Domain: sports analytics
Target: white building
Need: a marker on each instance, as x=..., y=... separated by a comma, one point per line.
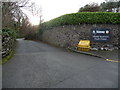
x=116, y=9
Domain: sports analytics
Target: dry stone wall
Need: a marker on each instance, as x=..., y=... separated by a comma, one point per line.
x=8, y=44
x=69, y=35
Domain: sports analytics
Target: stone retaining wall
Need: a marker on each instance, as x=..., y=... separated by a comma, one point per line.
x=8, y=44
x=70, y=35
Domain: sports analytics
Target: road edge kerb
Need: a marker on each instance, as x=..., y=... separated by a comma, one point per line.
x=86, y=53
x=91, y=54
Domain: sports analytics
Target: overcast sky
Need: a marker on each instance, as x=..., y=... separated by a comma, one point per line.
x=55, y=8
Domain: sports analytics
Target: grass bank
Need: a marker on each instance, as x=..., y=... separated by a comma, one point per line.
x=4, y=60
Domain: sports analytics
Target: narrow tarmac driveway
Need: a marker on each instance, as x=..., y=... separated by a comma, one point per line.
x=38, y=65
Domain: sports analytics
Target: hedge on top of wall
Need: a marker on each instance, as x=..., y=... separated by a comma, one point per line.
x=83, y=17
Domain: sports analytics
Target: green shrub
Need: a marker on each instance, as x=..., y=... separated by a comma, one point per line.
x=83, y=17
x=8, y=32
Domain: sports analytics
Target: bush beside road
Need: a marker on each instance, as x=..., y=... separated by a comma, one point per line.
x=8, y=44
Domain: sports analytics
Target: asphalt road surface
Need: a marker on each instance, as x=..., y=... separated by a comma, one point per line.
x=38, y=65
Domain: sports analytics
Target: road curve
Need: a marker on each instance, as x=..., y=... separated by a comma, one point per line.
x=38, y=65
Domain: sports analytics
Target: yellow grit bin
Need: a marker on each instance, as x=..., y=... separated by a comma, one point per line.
x=84, y=45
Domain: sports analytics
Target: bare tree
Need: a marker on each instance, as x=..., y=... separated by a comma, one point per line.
x=11, y=13
x=36, y=11
x=92, y=7
x=13, y=16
